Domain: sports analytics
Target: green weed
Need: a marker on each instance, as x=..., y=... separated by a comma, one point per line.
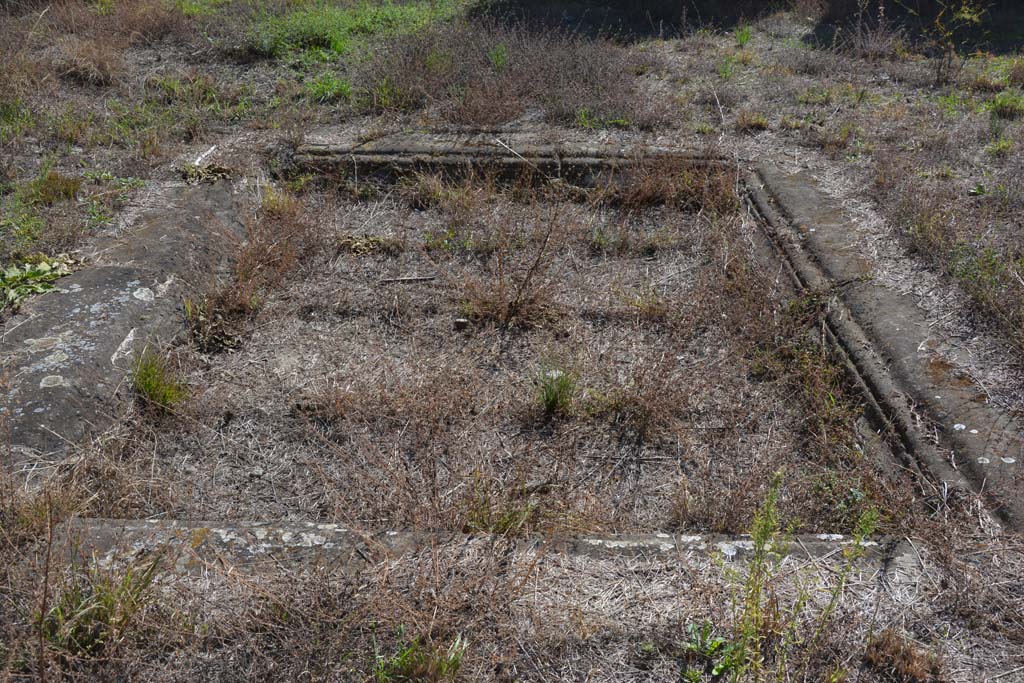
x=327, y=87
x=15, y=119
x=556, y=390
x=1001, y=148
x=587, y=119
x=199, y=8
x=417, y=662
x=816, y=95
x=751, y=121
x=338, y=29
x=155, y=383
x=96, y=611
x=33, y=277
x=20, y=219
x=717, y=656
x=954, y=103
x=498, y=56
x=1007, y=105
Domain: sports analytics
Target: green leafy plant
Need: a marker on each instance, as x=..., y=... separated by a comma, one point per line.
x=1007, y=105
x=716, y=655
x=154, y=382
x=32, y=277
x=417, y=662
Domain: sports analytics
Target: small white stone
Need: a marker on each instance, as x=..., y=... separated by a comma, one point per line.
x=959, y=427
x=144, y=294
x=51, y=381
x=983, y=461
x=974, y=431
x=1009, y=461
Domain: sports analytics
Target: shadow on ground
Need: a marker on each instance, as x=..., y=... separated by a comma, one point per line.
x=1000, y=30
x=625, y=19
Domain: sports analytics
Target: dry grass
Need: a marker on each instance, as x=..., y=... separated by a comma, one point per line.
x=279, y=237
x=943, y=228
x=136, y=22
x=90, y=61
x=690, y=379
x=897, y=659
x=621, y=291
x=487, y=74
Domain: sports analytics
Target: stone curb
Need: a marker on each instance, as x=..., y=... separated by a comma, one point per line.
x=252, y=545
x=878, y=333
x=506, y=155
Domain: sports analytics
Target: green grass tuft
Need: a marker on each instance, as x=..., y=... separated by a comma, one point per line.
x=417, y=661
x=95, y=611
x=1007, y=105
x=556, y=390
x=154, y=382
x=327, y=87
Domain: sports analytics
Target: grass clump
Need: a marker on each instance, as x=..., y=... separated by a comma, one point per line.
x=417, y=662
x=92, y=613
x=328, y=87
x=1007, y=105
x=1001, y=148
x=336, y=30
x=751, y=121
x=22, y=221
x=154, y=382
x=895, y=658
x=15, y=118
x=556, y=391
x=743, y=35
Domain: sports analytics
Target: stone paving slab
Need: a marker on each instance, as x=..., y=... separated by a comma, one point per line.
x=66, y=352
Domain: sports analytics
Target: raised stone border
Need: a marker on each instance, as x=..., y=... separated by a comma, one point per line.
x=508, y=156
x=942, y=422
x=251, y=546
x=69, y=350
